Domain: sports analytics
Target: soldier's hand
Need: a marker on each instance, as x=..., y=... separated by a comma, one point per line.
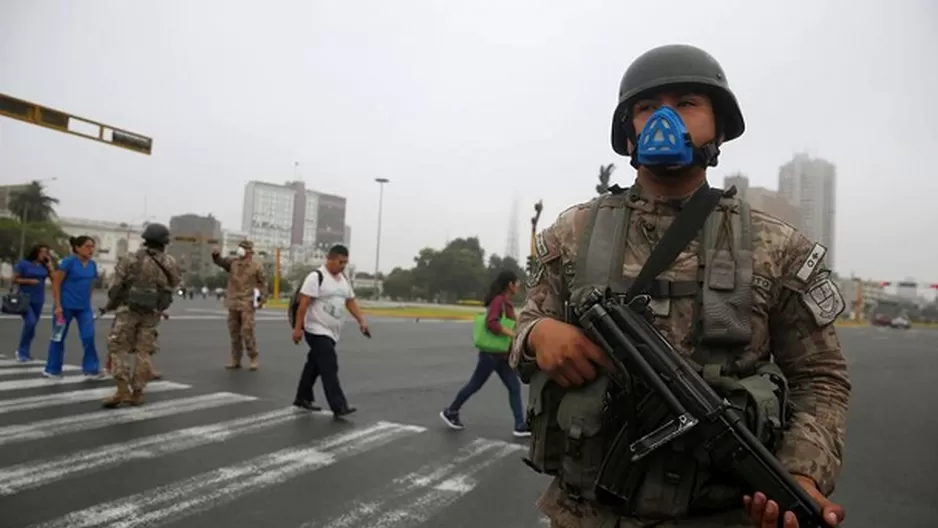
x=565, y=353
x=764, y=513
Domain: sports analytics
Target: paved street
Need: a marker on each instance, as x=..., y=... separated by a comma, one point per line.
x=219, y=448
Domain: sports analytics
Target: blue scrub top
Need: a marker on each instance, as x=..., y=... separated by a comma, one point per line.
x=75, y=290
x=27, y=269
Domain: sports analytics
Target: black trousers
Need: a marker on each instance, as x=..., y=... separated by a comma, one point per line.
x=321, y=361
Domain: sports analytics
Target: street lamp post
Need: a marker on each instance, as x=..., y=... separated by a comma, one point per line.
x=381, y=182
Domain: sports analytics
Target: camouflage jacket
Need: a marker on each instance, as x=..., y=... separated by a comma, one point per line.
x=783, y=324
x=243, y=276
x=149, y=271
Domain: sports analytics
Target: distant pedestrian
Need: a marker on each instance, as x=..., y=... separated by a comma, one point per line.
x=498, y=306
x=72, y=284
x=30, y=276
x=324, y=297
x=244, y=276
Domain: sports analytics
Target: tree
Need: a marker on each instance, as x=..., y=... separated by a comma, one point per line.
x=48, y=233
x=32, y=204
x=399, y=284
x=604, y=173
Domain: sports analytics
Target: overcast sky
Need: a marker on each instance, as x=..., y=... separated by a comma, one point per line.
x=464, y=105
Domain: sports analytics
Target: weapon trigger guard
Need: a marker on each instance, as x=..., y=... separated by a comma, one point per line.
x=659, y=437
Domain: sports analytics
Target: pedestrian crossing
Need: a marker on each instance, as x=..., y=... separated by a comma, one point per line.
x=187, y=458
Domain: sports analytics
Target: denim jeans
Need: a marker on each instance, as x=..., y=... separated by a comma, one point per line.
x=486, y=364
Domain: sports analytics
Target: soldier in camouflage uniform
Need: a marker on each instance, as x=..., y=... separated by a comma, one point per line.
x=244, y=275
x=141, y=290
x=788, y=304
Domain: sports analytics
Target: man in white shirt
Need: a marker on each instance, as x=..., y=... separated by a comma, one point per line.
x=324, y=297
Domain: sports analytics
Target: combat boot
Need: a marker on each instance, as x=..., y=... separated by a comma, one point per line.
x=123, y=395
x=233, y=365
x=255, y=363
x=136, y=398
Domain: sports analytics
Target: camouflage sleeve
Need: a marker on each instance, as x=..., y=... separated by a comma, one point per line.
x=222, y=262
x=808, y=351
x=116, y=287
x=544, y=298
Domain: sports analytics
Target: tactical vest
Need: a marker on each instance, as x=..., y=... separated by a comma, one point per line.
x=146, y=293
x=572, y=429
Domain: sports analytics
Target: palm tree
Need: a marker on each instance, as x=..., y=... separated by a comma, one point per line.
x=32, y=204
x=604, y=173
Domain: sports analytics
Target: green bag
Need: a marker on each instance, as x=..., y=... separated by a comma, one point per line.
x=485, y=340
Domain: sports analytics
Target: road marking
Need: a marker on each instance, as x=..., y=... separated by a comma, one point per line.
x=214, y=488
x=85, y=395
x=84, y=422
x=22, y=384
x=17, y=363
x=34, y=370
x=439, y=484
x=30, y=475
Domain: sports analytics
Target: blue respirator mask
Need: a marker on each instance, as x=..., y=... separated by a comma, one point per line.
x=665, y=141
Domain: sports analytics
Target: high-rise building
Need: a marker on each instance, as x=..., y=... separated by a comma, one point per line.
x=762, y=199
x=811, y=185
x=194, y=237
x=6, y=194
x=292, y=218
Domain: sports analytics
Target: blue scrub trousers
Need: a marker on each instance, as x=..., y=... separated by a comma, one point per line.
x=30, y=320
x=89, y=361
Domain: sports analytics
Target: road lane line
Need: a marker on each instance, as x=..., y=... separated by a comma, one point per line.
x=34, y=370
x=22, y=384
x=209, y=490
x=31, y=475
x=438, y=485
x=29, y=403
x=96, y=420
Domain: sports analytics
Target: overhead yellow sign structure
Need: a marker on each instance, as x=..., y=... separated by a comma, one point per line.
x=64, y=122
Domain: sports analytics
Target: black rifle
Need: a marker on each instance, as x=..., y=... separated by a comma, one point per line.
x=638, y=348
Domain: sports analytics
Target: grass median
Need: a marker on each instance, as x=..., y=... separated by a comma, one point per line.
x=464, y=314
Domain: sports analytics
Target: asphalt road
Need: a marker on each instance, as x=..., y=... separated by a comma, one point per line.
x=219, y=448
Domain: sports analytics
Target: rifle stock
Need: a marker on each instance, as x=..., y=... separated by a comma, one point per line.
x=692, y=406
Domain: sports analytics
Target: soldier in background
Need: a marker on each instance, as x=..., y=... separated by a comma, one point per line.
x=141, y=291
x=244, y=275
x=762, y=311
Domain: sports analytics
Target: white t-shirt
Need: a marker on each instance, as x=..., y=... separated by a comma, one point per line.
x=327, y=312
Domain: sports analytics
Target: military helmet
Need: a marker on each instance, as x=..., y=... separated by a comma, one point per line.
x=675, y=65
x=157, y=233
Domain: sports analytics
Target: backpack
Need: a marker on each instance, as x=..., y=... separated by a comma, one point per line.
x=295, y=300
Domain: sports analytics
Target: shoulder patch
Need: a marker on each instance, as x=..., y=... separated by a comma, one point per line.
x=542, y=251
x=535, y=274
x=824, y=300
x=811, y=262
x=762, y=283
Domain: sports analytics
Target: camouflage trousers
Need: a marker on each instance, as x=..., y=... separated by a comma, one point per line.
x=241, y=331
x=564, y=513
x=134, y=334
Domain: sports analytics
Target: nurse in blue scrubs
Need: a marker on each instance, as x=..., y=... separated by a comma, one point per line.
x=71, y=289
x=30, y=276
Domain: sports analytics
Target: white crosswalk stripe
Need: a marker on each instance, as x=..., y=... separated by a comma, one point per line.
x=402, y=497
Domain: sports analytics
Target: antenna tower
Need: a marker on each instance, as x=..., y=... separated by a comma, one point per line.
x=512, y=246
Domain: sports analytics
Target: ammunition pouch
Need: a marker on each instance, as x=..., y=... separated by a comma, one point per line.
x=580, y=417
x=680, y=480
x=545, y=452
x=143, y=299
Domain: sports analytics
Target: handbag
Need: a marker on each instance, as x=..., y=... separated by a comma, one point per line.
x=15, y=302
x=485, y=340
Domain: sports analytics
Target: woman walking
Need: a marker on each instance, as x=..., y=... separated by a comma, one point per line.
x=30, y=275
x=71, y=290
x=498, y=305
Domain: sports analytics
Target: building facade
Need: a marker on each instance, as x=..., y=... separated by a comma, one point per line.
x=810, y=184
x=112, y=240
x=6, y=193
x=293, y=218
x=765, y=200
x=194, y=237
